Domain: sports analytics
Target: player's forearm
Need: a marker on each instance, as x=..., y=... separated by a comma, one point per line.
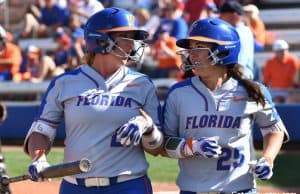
x=173, y=147
x=272, y=145
x=152, y=141
x=37, y=142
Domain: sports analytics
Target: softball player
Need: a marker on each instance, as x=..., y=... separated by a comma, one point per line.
x=208, y=118
x=100, y=104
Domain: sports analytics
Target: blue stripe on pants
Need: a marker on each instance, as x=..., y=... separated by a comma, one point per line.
x=140, y=185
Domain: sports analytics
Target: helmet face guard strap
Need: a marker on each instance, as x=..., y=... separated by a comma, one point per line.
x=136, y=52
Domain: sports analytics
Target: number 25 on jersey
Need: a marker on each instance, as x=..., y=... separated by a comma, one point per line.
x=231, y=158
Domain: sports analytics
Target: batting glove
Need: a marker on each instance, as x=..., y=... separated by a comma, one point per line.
x=262, y=169
x=38, y=165
x=206, y=146
x=132, y=131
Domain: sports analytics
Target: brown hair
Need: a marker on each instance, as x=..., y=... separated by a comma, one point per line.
x=253, y=89
x=89, y=58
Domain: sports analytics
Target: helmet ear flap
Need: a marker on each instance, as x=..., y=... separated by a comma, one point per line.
x=98, y=42
x=220, y=52
x=106, y=46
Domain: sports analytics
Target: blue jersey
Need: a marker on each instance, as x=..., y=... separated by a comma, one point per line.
x=93, y=109
x=193, y=111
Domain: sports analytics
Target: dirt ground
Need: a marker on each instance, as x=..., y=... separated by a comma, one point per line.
x=29, y=187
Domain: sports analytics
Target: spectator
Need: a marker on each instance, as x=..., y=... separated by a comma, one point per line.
x=164, y=52
x=176, y=25
x=211, y=11
x=142, y=16
x=147, y=4
x=2, y=5
x=106, y=3
x=280, y=72
x=257, y=26
x=232, y=12
x=76, y=51
x=63, y=42
x=194, y=9
x=85, y=8
x=125, y=4
x=2, y=2
x=52, y=17
x=62, y=3
x=31, y=19
x=10, y=57
x=147, y=21
x=38, y=67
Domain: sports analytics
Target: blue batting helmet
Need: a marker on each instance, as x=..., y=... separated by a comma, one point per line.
x=99, y=25
x=221, y=34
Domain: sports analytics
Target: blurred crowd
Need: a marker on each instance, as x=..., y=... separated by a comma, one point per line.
x=166, y=21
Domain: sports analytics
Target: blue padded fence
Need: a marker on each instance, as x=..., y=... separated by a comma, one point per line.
x=20, y=118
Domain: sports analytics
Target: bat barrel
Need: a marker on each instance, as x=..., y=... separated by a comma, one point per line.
x=59, y=170
x=66, y=169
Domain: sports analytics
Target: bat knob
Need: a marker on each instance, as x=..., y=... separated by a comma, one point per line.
x=85, y=165
x=4, y=185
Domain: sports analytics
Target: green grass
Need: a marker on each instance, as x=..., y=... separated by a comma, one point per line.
x=162, y=169
x=286, y=169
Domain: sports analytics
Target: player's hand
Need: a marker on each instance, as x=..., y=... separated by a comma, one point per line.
x=38, y=164
x=207, y=147
x=262, y=169
x=132, y=131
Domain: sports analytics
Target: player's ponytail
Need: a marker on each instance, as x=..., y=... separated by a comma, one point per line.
x=251, y=87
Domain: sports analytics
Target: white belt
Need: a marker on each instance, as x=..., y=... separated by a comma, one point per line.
x=100, y=181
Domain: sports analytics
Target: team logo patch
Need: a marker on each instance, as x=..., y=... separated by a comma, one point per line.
x=131, y=20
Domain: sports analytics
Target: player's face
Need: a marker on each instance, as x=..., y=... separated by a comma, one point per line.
x=200, y=55
x=280, y=55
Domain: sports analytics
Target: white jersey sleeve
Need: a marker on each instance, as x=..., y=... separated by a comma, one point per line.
x=51, y=109
x=170, y=113
x=267, y=117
